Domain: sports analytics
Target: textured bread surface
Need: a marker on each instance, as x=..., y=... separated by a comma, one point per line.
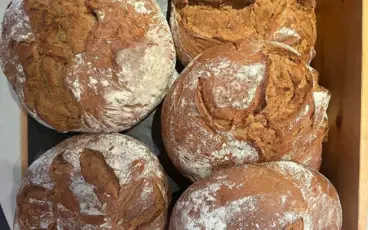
x=108, y=181
x=87, y=65
x=250, y=102
x=275, y=195
x=200, y=24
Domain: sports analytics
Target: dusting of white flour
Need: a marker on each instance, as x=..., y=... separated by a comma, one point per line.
x=202, y=207
x=145, y=73
x=284, y=33
x=119, y=152
x=142, y=84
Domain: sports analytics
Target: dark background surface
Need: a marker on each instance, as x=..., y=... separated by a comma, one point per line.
x=3, y=223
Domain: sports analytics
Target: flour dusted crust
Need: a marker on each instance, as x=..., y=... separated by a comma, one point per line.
x=253, y=102
x=90, y=65
x=276, y=195
x=108, y=181
x=200, y=24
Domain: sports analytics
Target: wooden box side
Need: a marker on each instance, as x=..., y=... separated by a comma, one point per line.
x=363, y=178
x=339, y=61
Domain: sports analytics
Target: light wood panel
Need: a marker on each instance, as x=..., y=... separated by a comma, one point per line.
x=339, y=61
x=363, y=180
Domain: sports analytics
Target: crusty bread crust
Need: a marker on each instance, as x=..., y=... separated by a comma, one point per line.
x=253, y=102
x=201, y=24
x=275, y=195
x=89, y=66
x=107, y=181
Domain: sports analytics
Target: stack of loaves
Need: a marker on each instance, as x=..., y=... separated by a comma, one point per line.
x=245, y=120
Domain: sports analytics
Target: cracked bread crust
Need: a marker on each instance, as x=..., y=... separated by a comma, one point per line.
x=108, y=181
x=87, y=65
x=252, y=102
x=200, y=24
x=274, y=196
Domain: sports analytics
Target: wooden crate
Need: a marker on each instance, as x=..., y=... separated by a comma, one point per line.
x=342, y=27
x=342, y=43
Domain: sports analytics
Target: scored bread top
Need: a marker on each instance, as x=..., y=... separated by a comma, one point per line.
x=108, y=181
x=275, y=195
x=90, y=66
x=201, y=24
x=254, y=101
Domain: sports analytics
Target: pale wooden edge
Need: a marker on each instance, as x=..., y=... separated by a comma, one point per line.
x=24, y=140
x=363, y=171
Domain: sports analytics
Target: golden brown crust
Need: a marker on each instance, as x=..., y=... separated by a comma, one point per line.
x=78, y=65
x=253, y=102
x=199, y=24
x=275, y=195
x=94, y=182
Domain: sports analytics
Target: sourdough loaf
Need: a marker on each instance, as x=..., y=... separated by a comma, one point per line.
x=255, y=101
x=107, y=181
x=87, y=65
x=272, y=196
x=200, y=24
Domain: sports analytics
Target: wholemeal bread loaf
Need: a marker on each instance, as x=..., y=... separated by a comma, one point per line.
x=252, y=102
x=108, y=181
x=91, y=65
x=200, y=24
x=276, y=195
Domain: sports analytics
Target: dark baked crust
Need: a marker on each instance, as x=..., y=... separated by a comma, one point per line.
x=81, y=65
x=94, y=182
x=200, y=24
x=272, y=196
x=252, y=102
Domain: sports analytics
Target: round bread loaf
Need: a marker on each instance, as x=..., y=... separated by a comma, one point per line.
x=253, y=102
x=108, y=181
x=87, y=65
x=200, y=24
x=275, y=195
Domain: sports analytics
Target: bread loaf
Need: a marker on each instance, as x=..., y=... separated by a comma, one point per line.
x=276, y=195
x=253, y=102
x=91, y=65
x=200, y=24
x=108, y=181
